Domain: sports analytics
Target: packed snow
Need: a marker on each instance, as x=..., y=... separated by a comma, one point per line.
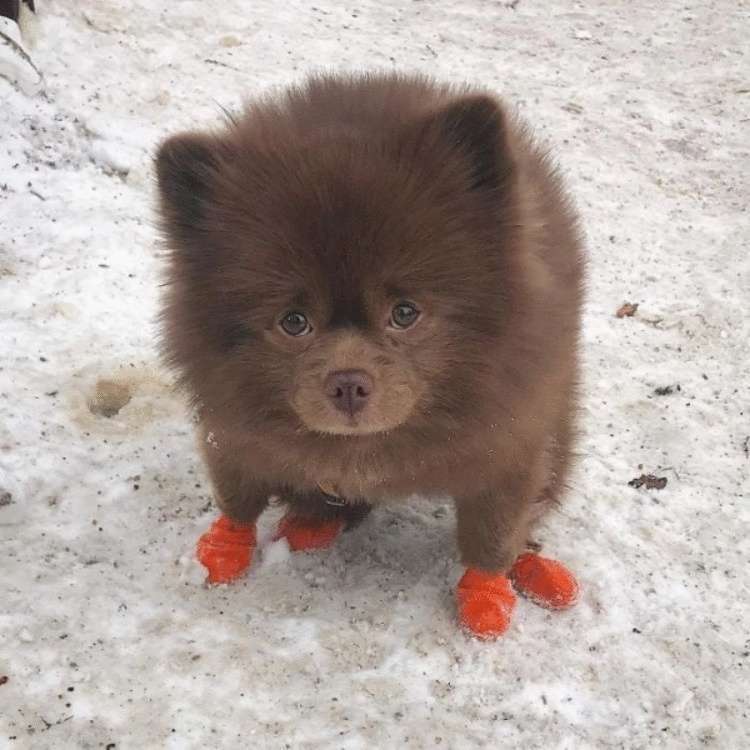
x=108, y=637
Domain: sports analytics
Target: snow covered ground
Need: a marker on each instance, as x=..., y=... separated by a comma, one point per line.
x=108, y=638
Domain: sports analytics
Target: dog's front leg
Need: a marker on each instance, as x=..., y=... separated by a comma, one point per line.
x=493, y=529
x=227, y=548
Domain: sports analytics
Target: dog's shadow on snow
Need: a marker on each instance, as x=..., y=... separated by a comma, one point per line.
x=412, y=540
x=396, y=549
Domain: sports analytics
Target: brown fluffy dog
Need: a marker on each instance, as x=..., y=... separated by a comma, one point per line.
x=374, y=289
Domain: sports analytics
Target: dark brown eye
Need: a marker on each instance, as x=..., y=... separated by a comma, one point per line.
x=404, y=314
x=295, y=324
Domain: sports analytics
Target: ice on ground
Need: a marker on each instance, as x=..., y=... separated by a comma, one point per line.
x=108, y=636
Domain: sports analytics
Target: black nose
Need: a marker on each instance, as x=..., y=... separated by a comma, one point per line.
x=349, y=390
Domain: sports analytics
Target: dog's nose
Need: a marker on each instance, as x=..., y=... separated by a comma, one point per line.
x=349, y=390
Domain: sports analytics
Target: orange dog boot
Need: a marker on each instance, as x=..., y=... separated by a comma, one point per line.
x=226, y=550
x=306, y=534
x=546, y=582
x=485, y=603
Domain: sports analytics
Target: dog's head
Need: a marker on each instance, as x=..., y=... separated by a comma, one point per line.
x=335, y=281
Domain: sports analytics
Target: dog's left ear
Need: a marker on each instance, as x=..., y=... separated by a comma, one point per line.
x=186, y=167
x=475, y=125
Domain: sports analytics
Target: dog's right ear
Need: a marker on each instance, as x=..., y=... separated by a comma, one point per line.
x=186, y=169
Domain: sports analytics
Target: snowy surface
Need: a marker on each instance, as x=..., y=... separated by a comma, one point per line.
x=107, y=635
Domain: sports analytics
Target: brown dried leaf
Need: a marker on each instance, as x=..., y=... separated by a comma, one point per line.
x=627, y=310
x=651, y=482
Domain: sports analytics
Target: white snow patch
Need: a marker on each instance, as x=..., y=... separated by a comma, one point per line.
x=276, y=553
x=25, y=636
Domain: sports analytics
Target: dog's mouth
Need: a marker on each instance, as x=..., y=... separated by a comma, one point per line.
x=364, y=423
x=358, y=426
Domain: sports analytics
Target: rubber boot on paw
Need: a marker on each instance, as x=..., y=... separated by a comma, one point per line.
x=305, y=534
x=546, y=582
x=226, y=550
x=485, y=603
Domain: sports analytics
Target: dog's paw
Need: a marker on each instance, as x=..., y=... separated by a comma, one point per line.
x=546, y=582
x=485, y=603
x=307, y=534
x=226, y=550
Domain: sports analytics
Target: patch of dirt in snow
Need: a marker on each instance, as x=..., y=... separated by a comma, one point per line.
x=126, y=397
x=108, y=637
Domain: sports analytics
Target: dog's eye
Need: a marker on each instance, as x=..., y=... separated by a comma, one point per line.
x=295, y=324
x=404, y=314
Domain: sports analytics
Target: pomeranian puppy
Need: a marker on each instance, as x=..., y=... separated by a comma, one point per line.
x=374, y=291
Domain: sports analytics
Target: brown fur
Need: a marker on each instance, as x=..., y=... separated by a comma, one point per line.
x=341, y=198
